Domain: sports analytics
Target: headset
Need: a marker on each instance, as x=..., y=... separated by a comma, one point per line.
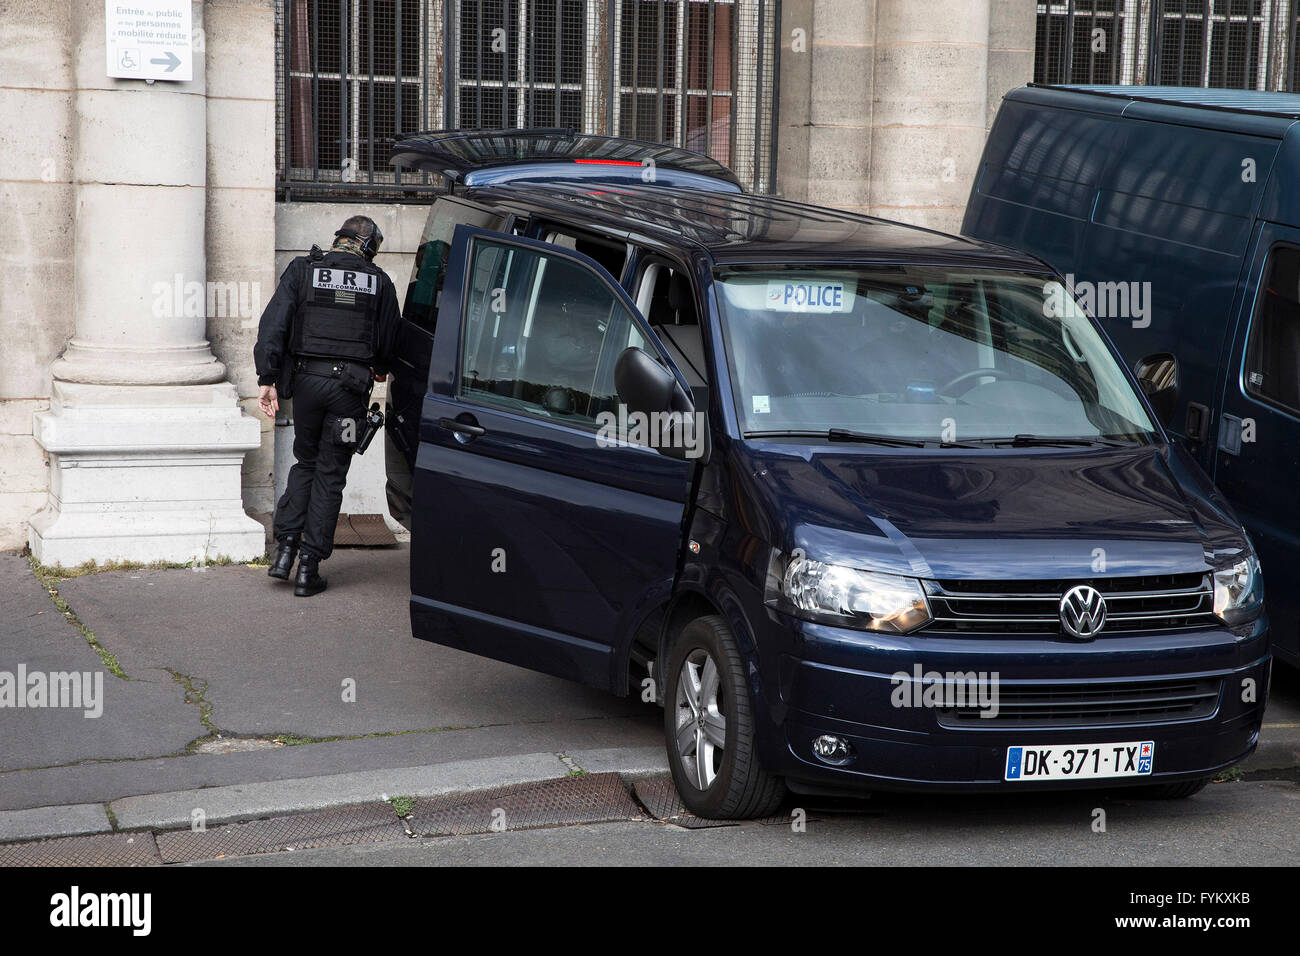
x=369, y=243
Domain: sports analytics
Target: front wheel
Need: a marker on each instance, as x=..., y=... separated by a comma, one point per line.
x=709, y=727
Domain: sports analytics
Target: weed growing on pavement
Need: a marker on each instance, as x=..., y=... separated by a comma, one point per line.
x=50, y=582
x=58, y=572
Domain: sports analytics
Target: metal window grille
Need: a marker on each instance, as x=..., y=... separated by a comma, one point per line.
x=1229, y=44
x=355, y=74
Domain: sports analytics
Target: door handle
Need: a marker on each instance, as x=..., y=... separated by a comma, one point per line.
x=1197, y=425
x=468, y=429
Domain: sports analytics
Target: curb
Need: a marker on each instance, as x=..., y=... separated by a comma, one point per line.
x=225, y=804
x=174, y=809
x=40, y=822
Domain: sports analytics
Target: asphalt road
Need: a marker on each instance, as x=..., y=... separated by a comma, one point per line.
x=1249, y=823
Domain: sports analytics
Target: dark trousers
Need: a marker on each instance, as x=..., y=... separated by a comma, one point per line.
x=311, y=501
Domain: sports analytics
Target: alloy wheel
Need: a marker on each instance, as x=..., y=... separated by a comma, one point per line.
x=701, y=725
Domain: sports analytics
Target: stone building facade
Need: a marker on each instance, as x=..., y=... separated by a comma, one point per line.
x=143, y=235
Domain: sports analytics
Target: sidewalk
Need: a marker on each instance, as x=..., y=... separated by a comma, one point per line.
x=241, y=700
x=231, y=681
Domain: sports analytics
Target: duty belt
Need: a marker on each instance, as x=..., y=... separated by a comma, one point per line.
x=324, y=368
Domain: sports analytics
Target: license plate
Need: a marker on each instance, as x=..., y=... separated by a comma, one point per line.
x=1079, y=761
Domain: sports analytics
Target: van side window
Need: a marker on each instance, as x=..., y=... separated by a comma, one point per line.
x=541, y=335
x=425, y=287
x=666, y=299
x=611, y=255
x=1272, y=370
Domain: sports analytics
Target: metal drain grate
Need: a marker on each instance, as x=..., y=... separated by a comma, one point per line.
x=659, y=796
x=589, y=798
x=362, y=531
x=367, y=823
x=99, y=849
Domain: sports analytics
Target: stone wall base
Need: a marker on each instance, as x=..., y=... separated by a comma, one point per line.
x=145, y=474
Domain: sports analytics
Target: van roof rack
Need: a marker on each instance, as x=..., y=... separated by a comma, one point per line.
x=1259, y=102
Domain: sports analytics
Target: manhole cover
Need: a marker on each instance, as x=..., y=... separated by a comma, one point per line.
x=589, y=798
x=99, y=849
x=367, y=823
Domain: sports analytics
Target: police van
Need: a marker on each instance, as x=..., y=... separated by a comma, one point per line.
x=835, y=491
x=1176, y=211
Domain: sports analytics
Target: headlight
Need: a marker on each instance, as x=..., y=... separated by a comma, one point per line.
x=1239, y=592
x=847, y=597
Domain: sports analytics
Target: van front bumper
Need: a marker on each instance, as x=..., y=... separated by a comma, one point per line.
x=852, y=685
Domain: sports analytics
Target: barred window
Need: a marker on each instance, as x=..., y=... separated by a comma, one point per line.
x=1226, y=44
x=356, y=74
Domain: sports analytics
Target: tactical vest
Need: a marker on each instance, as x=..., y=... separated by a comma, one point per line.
x=338, y=315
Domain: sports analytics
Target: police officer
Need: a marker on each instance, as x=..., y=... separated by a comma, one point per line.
x=328, y=332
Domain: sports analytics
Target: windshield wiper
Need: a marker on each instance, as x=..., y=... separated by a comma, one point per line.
x=1033, y=441
x=843, y=434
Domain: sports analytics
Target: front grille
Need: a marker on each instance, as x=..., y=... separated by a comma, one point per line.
x=1133, y=605
x=1043, y=706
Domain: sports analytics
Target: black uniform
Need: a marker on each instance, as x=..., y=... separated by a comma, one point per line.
x=333, y=319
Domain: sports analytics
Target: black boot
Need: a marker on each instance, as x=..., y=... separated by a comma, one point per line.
x=285, y=555
x=308, y=582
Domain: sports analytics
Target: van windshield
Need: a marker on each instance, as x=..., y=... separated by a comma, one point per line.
x=920, y=353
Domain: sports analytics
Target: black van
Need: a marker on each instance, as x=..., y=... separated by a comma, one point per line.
x=835, y=491
x=1176, y=212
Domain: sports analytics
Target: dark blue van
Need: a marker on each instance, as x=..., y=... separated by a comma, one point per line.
x=1186, y=203
x=837, y=492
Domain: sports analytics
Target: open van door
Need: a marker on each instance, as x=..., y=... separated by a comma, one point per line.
x=538, y=538
x=409, y=377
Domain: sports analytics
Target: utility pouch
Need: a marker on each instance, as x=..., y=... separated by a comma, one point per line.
x=355, y=378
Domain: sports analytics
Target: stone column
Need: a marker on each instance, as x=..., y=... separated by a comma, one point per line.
x=37, y=196
x=824, y=137
x=145, y=435
x=1012, y=24
x=929, y=109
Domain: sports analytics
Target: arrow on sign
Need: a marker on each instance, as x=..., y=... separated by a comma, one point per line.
x=171, y=61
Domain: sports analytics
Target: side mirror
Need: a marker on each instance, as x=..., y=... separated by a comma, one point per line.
x=645, y=386
x=1158, y=376
x=650, y=390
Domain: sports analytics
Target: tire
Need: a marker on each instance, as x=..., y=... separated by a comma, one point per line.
x=1176, y=791
x=718, y=783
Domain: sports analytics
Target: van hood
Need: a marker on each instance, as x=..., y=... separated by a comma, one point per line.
x=991, y=514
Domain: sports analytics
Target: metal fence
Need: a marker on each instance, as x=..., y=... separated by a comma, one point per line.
x=1232, y=44
x=353, y=75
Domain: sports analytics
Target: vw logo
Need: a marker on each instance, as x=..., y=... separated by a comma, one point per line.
x=1083, y=612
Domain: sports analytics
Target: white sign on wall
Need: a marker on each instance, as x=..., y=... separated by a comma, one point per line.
x=149, y=39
